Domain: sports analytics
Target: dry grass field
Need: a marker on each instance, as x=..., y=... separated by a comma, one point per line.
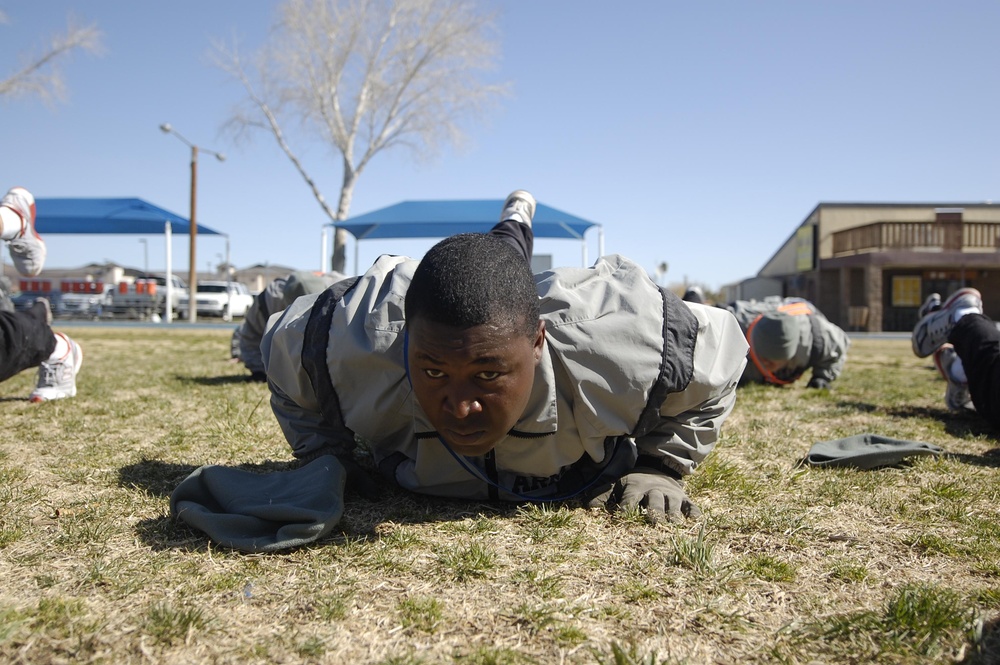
x=789, y=564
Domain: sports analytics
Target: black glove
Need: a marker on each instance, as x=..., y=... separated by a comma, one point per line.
x=663, y=496
x=818, y=383
x=358, y=480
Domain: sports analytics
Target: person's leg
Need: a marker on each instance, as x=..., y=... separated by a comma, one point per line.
x=515, y=222
x=977, y=342
x=25, y=341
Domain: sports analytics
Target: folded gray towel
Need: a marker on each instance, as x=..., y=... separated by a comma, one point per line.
x=255, y=512
x=867, y=451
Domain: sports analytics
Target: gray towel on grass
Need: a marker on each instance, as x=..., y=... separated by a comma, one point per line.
x=867, y=451
x=255, y=512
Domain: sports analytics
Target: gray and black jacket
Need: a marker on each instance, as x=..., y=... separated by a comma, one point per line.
x=822, y=346
x=629, y=375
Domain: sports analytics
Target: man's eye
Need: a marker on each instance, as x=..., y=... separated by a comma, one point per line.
x=434, y=373
x=488, y=376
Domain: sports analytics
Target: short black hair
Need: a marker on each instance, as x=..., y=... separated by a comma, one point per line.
x=471, y=279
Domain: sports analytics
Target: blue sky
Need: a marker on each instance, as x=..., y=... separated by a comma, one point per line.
x=698, y=134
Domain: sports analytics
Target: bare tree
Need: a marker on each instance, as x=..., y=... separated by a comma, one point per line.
x=365, y=76
x=40, y=74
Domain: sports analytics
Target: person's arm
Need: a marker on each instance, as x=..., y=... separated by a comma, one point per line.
x=689, y=424
x=305, y=429
x=266, y=303
x=309, y=432
x=691, y=420
x=835, y=343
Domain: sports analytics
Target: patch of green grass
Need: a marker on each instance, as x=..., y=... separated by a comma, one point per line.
x=168, y=624
x=547, y=586
x=636, y=590
x=849, y=571
x=11, y=621
x=768, y=568
x=312, y=647
x=950, y=490
x=933, y=543
x=535, y=617
x=719, y=475
x=481, y=524
x=570, y=636
x=627, y=655
x=333, y=607
x=492, y=656
x=464, y=563
x=916, y=621
x=696, y=554
x=407, y=659
x=990, y=597
x=422, y=614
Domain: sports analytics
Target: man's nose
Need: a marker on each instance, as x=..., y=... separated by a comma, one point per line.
x=461, y=403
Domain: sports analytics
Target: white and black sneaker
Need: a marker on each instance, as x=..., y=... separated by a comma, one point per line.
x=519, y=207
x=27, y=250
x=932, y=330
x=932, y=304
x=57, y=379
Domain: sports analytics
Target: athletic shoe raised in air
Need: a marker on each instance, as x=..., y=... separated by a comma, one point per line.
x=932, y=330
x=27, y=250
x=519, y=207
x=932, y=304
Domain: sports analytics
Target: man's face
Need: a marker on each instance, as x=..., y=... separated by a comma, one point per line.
x=472, y=383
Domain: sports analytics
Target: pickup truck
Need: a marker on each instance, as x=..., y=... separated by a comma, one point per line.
x=218, y=298
x=147, y=296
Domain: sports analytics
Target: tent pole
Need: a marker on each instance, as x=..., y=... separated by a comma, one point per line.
x=322, y=250
x=229, y=282
x=356, y=256
x=168, y=309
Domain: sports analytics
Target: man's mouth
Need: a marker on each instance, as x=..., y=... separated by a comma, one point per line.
x=464, y=438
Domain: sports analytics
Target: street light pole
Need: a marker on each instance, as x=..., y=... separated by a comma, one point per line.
x=193, y=234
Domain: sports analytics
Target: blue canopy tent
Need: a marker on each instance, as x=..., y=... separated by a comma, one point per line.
x=122, y=216
x=114, y=216
x=440, y=219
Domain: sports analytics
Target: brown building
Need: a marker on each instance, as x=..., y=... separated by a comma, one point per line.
x=869, y=266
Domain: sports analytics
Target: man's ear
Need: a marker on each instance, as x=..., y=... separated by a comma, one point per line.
x=539, y=341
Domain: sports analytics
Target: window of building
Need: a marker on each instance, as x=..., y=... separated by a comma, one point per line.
x=906, y=291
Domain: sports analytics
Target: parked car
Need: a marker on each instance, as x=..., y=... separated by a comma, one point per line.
x=146, y=296
x=218, y=298
x=89, y=305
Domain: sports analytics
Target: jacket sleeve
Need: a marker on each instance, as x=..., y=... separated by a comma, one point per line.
x=266, y=303
x=834, y=343
x=691, y=420
x=293, y=398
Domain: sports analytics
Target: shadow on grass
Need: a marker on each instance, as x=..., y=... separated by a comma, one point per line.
x=226, y=380
x=359, y=522
x=959, y=425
